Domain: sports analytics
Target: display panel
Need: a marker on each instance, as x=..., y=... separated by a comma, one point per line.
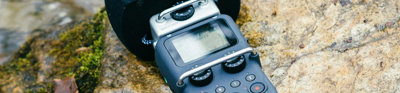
x=200, y=42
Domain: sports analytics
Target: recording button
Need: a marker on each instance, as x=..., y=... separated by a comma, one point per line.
x=250, y=77
x=220, y=89
x=257, y=88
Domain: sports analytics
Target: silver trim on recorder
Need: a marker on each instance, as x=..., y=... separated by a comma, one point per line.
x=212, y=63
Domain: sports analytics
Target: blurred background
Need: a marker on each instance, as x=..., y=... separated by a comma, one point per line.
x=20, y=18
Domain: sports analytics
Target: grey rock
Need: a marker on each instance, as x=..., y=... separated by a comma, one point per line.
x=9, y=42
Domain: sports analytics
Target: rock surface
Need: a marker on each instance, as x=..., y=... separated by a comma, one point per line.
x=306, y=46
x=122, y=72
x=326, y=46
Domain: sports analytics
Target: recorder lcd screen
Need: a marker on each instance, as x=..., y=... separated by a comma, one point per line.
x=200, y=42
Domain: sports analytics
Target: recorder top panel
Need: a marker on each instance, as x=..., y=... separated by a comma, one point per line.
x=169, y=25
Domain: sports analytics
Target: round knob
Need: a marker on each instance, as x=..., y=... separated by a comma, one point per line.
x=184, y=13
x=201, y=78
x=234, y=65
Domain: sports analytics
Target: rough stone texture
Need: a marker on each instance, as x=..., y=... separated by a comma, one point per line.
x=123, y=73
x=326, y=46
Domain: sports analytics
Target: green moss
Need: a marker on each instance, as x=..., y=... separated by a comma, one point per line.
x=84, y=65
x=39, y=88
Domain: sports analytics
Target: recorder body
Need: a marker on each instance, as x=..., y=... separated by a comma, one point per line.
x=199, y=50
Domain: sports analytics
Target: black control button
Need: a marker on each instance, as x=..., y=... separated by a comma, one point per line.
x=250, y=77
x=235, y=64
x=257, y=88
x=184, y=13
x=235, y=83
x=220, y=89
x=201, y=78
